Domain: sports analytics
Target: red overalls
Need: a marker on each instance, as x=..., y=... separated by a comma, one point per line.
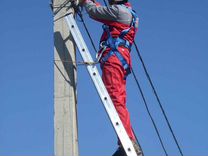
x=113, y=75
x=113, y=72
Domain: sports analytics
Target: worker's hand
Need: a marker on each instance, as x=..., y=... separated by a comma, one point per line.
x=80, y=1
x=83, y=1
x=77, y=2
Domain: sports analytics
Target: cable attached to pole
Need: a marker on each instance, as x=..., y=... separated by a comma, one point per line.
x=141, y=92
x=148, y=111
x=91, y=40
x=147, y=108
x=82, y=20
x=158, y=99
x=88, y=33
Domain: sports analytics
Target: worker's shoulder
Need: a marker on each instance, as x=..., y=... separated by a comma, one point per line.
x=122, y=12
x=121, y=8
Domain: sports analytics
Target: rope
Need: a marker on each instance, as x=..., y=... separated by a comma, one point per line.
x=77, y=62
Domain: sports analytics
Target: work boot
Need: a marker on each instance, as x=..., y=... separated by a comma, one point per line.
x=120, y=152
x=137, y=148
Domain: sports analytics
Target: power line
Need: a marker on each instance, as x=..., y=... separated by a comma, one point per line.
x=88, y=33
x=154, y=91
x=157, y=131
x=63, y=5
x=146, y=106
x=157, y=97
x=148, y=111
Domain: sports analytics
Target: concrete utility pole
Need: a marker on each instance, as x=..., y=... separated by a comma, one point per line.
x=65, y=100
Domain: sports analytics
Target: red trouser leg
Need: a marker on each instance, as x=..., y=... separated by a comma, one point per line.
x=113, y=78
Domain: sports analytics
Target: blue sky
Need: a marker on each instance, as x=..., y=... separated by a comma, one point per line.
x=172, y=39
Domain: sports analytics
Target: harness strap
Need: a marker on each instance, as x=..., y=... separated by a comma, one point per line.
x=121, y=59
x=114, y=43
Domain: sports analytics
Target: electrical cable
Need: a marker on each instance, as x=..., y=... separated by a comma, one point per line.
x=147, y=108
x=154, y=90
x=161, y=142
x=141, y=92
x=105, y=3
x=88, y=33
x=148, y=111
x=157, y=97
x=63, y=5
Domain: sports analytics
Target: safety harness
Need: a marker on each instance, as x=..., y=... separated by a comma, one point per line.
x=114, y=43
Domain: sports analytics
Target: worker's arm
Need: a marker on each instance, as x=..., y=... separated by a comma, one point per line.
x=101, y=13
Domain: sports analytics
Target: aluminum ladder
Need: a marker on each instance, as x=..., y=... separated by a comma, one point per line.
x=100, y=87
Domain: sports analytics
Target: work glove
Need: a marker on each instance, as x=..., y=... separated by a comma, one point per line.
x=81, y=2
x=77, y=2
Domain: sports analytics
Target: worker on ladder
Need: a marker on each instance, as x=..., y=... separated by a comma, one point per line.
x=120, y=26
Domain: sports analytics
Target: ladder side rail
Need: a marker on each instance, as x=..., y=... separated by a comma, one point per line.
x=100, y=87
